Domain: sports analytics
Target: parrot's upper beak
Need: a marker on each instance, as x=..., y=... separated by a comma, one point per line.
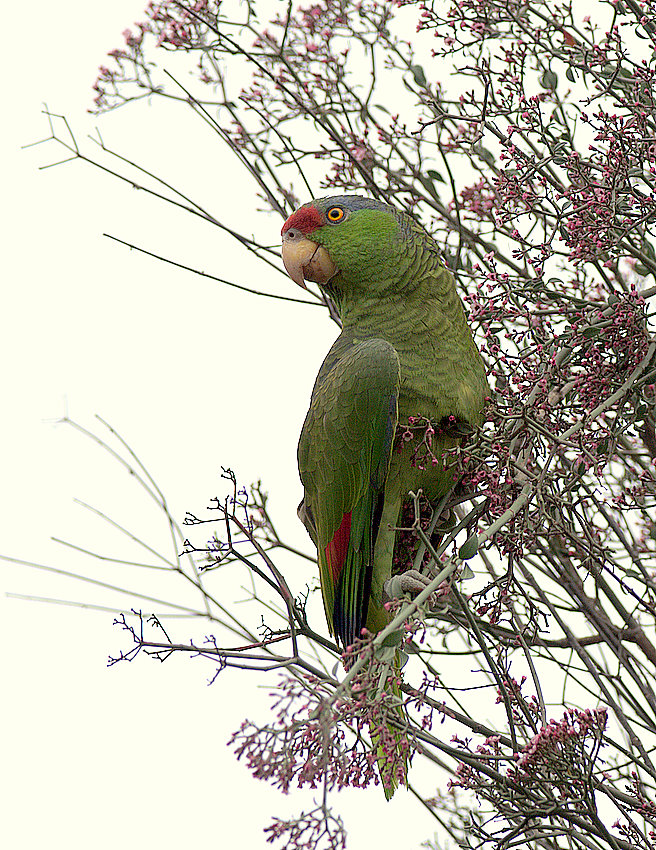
x=305, y=260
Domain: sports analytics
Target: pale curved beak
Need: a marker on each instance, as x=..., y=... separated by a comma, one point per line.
x=306, y=260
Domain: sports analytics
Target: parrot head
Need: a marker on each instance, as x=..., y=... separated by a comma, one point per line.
x=346, y=239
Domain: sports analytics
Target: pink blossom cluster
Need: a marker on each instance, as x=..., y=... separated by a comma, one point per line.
x=168, y=24
x=313, y=830
x=316, y=740
x=557, y=746
x=307, y=745
x=560, y=755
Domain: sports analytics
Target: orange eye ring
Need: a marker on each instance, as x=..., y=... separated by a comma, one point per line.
x=335, y=214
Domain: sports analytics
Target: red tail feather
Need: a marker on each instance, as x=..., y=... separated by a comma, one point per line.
x=338, y=546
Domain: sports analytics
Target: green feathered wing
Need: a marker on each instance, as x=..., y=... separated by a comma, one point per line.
x=343, y=456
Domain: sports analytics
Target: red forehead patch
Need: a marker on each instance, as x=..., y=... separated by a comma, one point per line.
x=306, y=219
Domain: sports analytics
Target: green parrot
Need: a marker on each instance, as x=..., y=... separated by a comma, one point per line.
x=405, y=351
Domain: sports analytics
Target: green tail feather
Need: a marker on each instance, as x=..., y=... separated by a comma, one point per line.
x=390, y=744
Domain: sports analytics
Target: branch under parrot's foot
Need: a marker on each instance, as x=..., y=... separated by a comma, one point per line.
x=411, y=582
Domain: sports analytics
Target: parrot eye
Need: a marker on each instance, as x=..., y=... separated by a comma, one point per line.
x=335, y=214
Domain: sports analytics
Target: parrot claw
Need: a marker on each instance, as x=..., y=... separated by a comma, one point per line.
x=411, y=582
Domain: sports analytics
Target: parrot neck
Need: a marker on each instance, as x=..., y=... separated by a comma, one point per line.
x=399, y=313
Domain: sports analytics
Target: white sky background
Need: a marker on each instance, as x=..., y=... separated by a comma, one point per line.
x=195, y=376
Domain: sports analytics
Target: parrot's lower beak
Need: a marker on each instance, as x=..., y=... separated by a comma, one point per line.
x=306, y=260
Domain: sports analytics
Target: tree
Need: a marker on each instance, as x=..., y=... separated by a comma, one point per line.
x=534, y=166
